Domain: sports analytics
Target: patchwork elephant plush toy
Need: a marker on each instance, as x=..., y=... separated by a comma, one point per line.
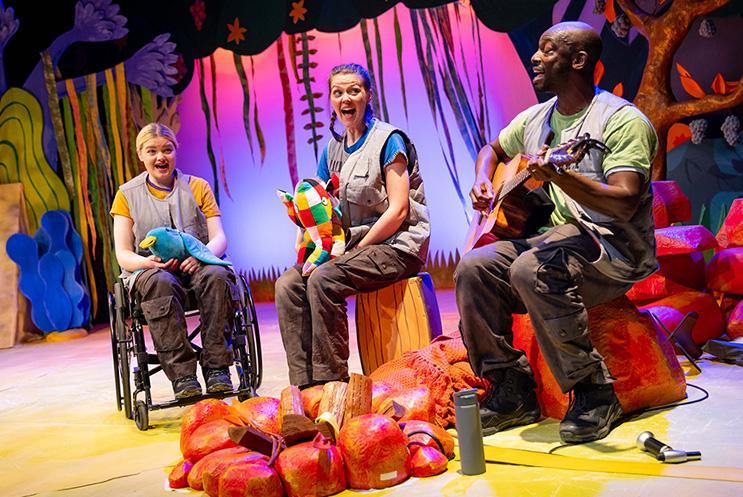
x=314, y=209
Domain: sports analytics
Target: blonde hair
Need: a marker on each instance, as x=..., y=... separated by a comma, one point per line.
x=153, y=130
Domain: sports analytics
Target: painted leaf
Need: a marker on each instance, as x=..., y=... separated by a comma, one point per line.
x=598, y=72
x=688, y=83
x=677, y=134
x=722, y=87
x=618, y=90
x=610, y=11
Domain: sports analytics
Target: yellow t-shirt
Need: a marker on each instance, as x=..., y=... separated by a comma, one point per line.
x=201, y=190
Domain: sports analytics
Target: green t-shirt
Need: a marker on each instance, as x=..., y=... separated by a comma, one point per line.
x=632, y=142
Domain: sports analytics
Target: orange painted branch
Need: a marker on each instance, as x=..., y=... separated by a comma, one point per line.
x=709, y=103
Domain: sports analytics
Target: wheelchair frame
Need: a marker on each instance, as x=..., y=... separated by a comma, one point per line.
x=127, y=341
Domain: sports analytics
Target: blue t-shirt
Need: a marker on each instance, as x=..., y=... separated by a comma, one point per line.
x=395, y=145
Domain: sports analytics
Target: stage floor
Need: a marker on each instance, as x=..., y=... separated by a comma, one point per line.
x=61, y=434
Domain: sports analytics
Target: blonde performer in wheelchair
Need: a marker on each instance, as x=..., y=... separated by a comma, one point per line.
x=163, y=196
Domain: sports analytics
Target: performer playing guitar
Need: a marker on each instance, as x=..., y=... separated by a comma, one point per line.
x=518, y=206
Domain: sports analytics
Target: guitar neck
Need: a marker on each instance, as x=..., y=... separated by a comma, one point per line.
x=513, y=183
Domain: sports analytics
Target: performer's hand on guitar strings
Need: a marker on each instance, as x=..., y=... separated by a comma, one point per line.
x=482, y=194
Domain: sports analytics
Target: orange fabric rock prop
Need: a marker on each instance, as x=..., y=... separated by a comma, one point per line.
x=730, y=233
x=178, y=477
x=442, y=367
x=683, y=240
x=195, y=476
x=676, y=205
x=200, y=413
x=375, y=452
x=427, y=461
x=208, y=438
x=725, y=271
x=259, y=412
x=641, y=359
x=418, y=404
x=311, y=398
x=312, y=469
x=251, y=478
x=421, y=434
x=217, y=466
x=735, y=322
x=671, y=310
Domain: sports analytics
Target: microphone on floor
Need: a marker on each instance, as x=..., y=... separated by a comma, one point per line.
x=647, y=442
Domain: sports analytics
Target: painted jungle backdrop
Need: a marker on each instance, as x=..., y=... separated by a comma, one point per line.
x=244, y=83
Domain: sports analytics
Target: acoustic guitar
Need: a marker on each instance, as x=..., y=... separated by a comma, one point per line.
x=519, y=206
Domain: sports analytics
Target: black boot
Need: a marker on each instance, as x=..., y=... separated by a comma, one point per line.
x=594, y=410
x=511, y=401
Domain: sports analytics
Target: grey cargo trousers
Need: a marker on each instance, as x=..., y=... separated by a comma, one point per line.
x=550, y=277
x=163, y=296
x=312, y=310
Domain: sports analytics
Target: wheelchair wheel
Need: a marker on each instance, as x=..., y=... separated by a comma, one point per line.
x=141, y=416
x=120, y=341
x=252, y=335
x=114, y=348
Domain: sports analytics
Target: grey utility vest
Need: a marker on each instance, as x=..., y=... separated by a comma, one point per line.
x=178, y=210
x=363, y=194
x=627, y=248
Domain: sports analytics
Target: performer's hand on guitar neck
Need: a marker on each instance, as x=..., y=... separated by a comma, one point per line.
x=542, y=169
x=482, y=193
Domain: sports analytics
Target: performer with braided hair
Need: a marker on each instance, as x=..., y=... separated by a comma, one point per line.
x=384, y=216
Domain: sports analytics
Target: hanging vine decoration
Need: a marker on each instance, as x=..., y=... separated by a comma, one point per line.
x=398, y=47
x=291, y=150
x=237, y=59
x=309, y=96
x=370, y=65
x=380, y=67
x=207, y=116
x=256, y=122
x=427, y=65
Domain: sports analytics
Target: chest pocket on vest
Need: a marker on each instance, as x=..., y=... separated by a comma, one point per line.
x=365, y=202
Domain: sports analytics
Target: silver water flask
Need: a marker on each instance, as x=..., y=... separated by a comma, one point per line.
x=469, y=432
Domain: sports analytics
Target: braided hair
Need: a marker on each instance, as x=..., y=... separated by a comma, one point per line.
x=362, y=73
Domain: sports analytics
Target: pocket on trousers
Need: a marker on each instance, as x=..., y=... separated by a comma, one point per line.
x=160, y=317
x=570, y=327
x=554, y=276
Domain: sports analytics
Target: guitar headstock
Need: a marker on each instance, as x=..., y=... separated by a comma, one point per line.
x=573, y=151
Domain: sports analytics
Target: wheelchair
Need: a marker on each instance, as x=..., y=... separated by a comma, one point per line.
x=131, y=360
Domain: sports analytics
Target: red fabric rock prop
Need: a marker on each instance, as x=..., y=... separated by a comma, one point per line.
x=735, y=322
x=427, y=461
x=312, y=469
x=676, y=203
x=178, y=477
x=730, y=233
x=642, y=361
x=671, y=310
x=200, y=413
x=260, y=412
x=375, y=452
x=683, y=240
x=725, y=271
x=195, y=476
x=208, y=438
x=252, y=478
